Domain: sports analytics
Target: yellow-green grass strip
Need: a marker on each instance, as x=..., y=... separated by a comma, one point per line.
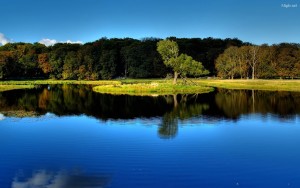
x=151, y=89
x=257, y=84
x=13, y=87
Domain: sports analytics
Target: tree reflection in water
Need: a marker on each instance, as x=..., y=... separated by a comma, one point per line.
x=185, y=107
x=234, y=103
x=222, y=104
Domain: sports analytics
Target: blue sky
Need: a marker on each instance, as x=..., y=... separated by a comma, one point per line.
x=256, y=21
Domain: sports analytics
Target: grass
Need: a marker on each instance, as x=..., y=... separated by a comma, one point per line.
x=43, y=82
x=271, y=85
x=162, y=86
x=13, y=87
x=152, y=89
x=20, y=113
x=29, y=84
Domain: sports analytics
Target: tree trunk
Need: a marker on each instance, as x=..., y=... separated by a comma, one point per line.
x=253, y=72
x=175, y=77
x=175, y=101
x=253, y=101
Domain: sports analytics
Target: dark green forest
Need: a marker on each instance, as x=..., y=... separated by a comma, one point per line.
x=131, y=58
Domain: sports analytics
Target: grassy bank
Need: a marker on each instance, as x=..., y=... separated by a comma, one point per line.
x=152, y=88
x=46, y=82
x=28, y=84
x=162, y=86
x=13, y=87
x=271, y=85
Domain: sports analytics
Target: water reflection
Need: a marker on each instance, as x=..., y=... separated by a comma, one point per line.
x=234, y=103
x=2, y=117
x=61, y=179
x=79, y=99
x=184, y=107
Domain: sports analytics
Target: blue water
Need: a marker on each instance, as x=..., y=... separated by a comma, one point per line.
x=80, y=151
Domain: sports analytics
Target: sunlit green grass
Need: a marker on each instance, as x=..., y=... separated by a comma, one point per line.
x=152, y=89
x=272, y=85
x=42, y=82
x=13, y=87
x=162, y=86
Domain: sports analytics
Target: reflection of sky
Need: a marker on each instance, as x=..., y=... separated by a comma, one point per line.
x=2, y=117
x=253, y=151
x=46, y=179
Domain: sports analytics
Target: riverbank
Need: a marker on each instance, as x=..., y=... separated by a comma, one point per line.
x=162, y=86
x=29, y=84
x=46, y=82
x=13, y=87
x=270, y=85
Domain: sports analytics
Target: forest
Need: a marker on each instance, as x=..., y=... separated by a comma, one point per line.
x=131, y=58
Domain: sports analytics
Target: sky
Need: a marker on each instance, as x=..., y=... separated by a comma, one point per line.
x=81, y=21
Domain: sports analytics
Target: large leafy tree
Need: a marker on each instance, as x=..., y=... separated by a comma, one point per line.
x=181, y=64
x=108, y=64
x=287, y=60
x=227, y=63
x=70, y=68
x=7, y=64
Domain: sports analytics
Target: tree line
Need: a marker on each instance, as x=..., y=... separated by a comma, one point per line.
x=127, y=57
x=276, y=61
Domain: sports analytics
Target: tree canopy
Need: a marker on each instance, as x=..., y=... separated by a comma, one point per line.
x=183, y=64
x=276, y=61
x=114, y=58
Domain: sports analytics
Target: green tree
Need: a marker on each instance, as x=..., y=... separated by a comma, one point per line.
x=7, y=65
x=183, y=64
x=266, y=67
x=70, y=68
x=227, y=63
x=108, y=64
x=287, y=58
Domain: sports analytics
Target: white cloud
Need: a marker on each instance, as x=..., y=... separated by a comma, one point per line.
x=3, y=39
x=73, y=42
x=50, y=42
x=2, y=117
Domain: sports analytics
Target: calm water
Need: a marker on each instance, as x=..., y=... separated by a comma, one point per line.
x=70, y=137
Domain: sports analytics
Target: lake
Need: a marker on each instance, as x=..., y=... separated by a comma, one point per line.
x=67, y=136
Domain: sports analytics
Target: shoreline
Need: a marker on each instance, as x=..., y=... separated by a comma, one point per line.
x=161, y=86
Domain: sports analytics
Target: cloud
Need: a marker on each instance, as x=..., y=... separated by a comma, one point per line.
x=50, y=42
x=2, y=117
x=60, y=179
x=3, y=39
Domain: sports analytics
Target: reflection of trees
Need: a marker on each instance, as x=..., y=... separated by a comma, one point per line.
x=234, y=103
x=169, y=126
x=80, y=99
x=185, y=106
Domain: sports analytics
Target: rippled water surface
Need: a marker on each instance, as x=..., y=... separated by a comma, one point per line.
x=70, y=137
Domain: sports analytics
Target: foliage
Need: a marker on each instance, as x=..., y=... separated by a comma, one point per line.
x=183, y=64
x=260, y=61
x=115, y=58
